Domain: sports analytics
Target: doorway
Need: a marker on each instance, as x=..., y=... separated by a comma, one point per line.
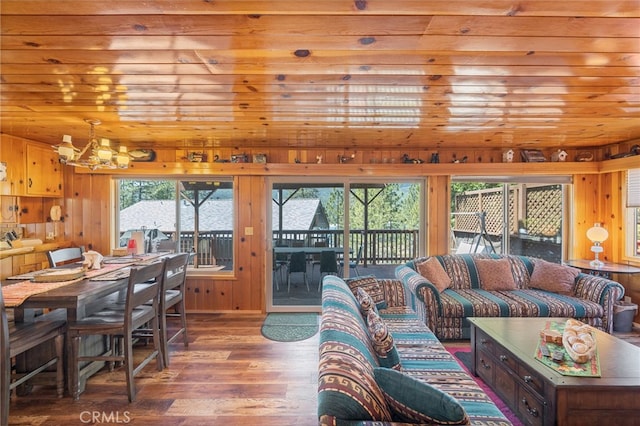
x=337, y=226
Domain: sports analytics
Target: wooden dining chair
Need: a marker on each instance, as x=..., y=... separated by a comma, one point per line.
x=141, y=307
x=64, y=255
x=172, y=301
x=18, y=338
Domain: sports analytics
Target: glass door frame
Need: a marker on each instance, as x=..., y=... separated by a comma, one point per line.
x=346, y=185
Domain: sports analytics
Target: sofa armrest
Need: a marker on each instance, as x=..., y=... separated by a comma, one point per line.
x=423, y=295
x=602, y=291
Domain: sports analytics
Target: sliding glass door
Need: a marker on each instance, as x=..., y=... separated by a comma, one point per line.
x=337, y=226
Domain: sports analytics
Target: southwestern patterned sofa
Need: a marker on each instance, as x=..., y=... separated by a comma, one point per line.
x=447, y=289
x=381, y=365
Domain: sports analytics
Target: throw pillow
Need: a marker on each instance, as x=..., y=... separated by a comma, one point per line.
x=495, y=274
x=432, y=270
x=413, y=401
x=382, y=342
x=553, y=277
x=365, y=301
x=370, y=284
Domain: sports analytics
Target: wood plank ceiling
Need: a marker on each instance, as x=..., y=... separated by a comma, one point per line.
x=405, y=74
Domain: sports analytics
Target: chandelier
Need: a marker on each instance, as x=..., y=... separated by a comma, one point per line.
x=101, y=155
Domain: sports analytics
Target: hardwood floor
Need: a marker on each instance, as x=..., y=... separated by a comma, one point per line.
x=229, y=375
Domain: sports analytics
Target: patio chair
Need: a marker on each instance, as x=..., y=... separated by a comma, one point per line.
x=328, y=264
x=316, y=257
x=353, y=264
x=297, y=264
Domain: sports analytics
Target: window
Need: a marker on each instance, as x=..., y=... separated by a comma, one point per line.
x=633, y=213
x=197, y=215
x=522, y=216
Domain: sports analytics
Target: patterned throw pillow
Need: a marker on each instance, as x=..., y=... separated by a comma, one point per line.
x=413, y=401
x=432, y=270
x=382, y=342
x=553, y=277
x=370, y=284
x=495, y=274
x=365, y=301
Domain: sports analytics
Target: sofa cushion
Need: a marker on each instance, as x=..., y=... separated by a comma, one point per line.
x=413, y=401
x=495, y=274
x=370, y=284
x=553, y=277
x=382, y=341
x=432, y=270
x=366, y=302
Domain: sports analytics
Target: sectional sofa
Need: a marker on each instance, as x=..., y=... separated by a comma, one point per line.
x=381, y=365
x=447, y=289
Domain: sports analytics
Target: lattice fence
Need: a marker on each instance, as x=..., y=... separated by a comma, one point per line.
x=537, y=209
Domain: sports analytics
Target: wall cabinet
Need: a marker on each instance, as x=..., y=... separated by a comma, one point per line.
x=43, y=171
x=12, y=158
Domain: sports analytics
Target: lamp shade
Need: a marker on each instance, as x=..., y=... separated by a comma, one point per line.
x=597, y=233
x=104, y=152
x=66, y=150
x=122, y=158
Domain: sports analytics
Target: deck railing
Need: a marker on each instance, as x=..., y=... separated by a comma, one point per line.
x=380, y=246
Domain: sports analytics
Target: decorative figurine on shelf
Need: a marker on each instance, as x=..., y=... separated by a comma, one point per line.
x=584, y=156
x=507, y=156
x=343, y=158
x=318, y=159
x=406, y=159
x=435, y=158
x=217, y=159
x=459, y=160
x=635, y=150
x=240, y=158
x=197, y=157
x=559, y=155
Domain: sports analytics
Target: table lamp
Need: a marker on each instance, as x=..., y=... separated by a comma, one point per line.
x=597, y=234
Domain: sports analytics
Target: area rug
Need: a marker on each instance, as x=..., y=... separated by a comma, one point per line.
x=463, y=355
x=290, y=326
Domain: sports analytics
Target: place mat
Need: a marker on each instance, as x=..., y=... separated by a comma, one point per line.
x=137, y=259
x=59, y=275
x=566, y=367
x=32, y=274
x=105, y=269
x=115, y=275
x=15, y=294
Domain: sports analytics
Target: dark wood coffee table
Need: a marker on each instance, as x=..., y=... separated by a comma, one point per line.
x=503, y=356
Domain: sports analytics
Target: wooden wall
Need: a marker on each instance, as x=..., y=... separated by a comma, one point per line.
x=597, y=195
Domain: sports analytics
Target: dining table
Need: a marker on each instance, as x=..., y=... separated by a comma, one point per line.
x=78, y=297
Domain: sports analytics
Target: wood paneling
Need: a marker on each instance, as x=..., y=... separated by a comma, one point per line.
x=88, y=217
